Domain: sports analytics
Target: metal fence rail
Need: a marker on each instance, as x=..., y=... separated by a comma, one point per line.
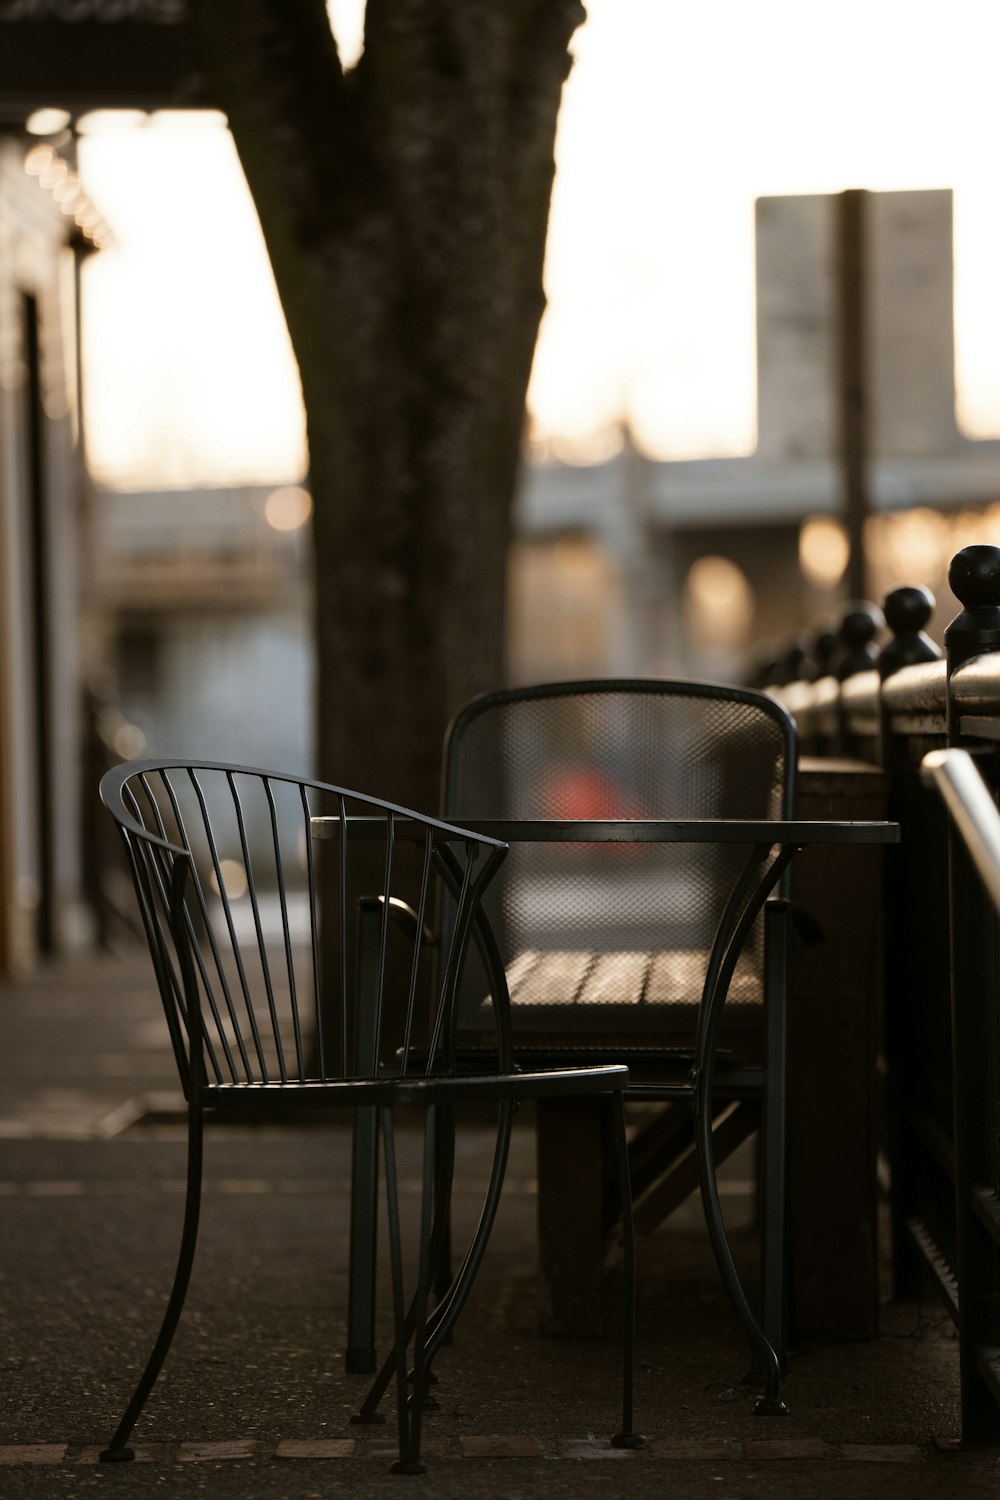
x=933, y=724
x=972, y=808
x=974, y=875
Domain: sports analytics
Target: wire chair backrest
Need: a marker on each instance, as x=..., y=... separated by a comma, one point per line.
x=622, y=927
x=242, y=909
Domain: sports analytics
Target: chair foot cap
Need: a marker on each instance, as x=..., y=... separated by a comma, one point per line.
x=368, y=1419
x=628, y=1440
x=425, y=1402
x=769, y=1406
x=409, y=1466
x=117, y=1455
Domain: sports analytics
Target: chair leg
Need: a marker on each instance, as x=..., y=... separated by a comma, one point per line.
x=762, y=1351
x=417, y=1401
x=442, y=1320
x=444, y=1173
x=118, y=1450
x=627, y=1437
x=773, y=1164
x=409, y=1411
x=359, y=1357
x=445, y=1315
x=773, y=1211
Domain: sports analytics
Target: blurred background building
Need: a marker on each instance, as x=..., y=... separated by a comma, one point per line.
x=630, y=566
x=43, y=550
x=171, y=611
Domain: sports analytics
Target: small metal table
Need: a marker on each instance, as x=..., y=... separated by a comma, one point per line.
x=771, y=844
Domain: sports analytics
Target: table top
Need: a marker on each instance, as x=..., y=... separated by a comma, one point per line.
x=764, y=831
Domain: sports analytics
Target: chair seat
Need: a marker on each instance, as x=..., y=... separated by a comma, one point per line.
x=552, y=1082
x=655, y=1072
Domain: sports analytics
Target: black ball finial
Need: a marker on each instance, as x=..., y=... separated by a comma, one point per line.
x=824, y=649
x=861, y=623
x=907, y=610
x=908, y=607
x=974, y=577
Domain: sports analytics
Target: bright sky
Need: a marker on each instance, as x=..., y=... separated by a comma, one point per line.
x=675, y=119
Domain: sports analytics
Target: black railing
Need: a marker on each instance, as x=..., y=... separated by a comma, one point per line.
x=941, y=947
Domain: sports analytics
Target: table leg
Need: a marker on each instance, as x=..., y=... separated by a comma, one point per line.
x=571, y=1140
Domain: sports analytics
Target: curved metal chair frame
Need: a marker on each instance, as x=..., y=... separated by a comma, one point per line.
x=215, y=851
x=649, y=753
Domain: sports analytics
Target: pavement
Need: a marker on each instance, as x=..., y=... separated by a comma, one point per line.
x=253, y=1401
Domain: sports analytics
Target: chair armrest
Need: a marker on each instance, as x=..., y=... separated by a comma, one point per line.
x=401, y=915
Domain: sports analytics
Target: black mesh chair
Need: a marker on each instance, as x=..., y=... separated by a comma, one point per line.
x=232, y=889
x=651, y=952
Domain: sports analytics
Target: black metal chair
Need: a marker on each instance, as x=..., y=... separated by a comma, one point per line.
x=627, y=953
x=232, y=890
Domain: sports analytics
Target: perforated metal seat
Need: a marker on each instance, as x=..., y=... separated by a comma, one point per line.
x=232, y=891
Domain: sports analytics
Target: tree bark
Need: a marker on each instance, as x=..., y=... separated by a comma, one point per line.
x=404, y=204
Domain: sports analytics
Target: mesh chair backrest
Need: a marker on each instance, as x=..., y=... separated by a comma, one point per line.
x=620, y=924
x=256, y=887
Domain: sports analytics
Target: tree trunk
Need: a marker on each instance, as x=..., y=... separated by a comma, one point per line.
x=404, y=205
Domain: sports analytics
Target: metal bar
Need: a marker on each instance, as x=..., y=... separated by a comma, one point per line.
x=216, y=955
x=417, y=950
x=388, y=823
x=773, y=1146
x=987, y=1206
x=195, y=885
x=314, y=936
x=764, y=831
x=360, y=1354
x=852, y=383
x=918, y=689
x=971, y=805
x=974, y=901
x=976, y=683
x=261, y=946
x=293, y=999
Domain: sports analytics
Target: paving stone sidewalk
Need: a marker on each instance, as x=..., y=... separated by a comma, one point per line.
x=253, y=1401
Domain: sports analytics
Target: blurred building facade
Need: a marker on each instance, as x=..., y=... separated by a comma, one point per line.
x=199, y=603
x=705, y=558
x=626, y=567
x=40, y=555
x=56, y=61
x=207, y=597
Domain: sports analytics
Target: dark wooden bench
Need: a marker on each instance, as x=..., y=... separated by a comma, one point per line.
x=833, y=1070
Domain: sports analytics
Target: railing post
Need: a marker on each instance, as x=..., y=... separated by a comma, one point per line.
x=858, y=629
x=824, y=647
x=907, y=610
x=914, y=893
x=974, y=577
x=857, y=652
